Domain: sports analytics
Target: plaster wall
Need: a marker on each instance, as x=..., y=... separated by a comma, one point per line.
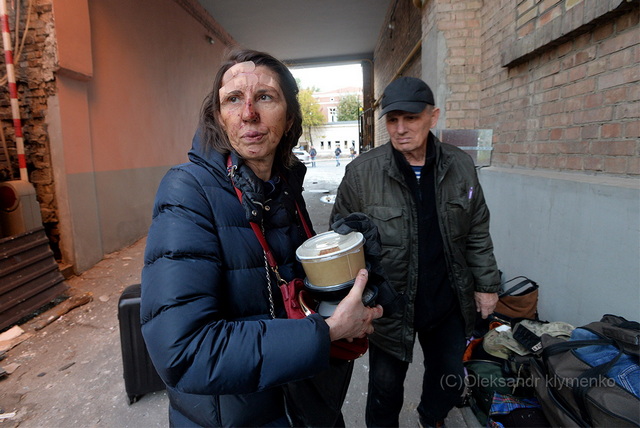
x=578, y=236
x=126, y=119
x=71, y=154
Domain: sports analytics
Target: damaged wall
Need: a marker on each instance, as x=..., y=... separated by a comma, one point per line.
x=35, y=62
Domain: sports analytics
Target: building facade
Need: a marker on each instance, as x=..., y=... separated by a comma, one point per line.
x=329, y=101
x=344, y=134
x=328, y=137
x=109, y=100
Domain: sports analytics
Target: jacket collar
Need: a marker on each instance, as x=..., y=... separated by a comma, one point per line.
x=249, y=184
x=433, y=142
x=443, y=159
x=210, y=159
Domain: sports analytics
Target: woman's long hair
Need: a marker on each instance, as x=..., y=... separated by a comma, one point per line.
x=211, y=130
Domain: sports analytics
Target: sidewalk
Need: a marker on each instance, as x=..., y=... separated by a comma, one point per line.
x=69, y=373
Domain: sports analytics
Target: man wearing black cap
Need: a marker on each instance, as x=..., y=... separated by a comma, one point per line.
x=426, y=201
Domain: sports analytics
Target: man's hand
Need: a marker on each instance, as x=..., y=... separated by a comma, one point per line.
x=351, y=319
x=485, y=303
x=363, y=224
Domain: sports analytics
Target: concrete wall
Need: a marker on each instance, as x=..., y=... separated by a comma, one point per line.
x=129, y=93
x=578, y=236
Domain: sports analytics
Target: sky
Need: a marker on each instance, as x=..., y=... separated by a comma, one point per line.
x=328, y=78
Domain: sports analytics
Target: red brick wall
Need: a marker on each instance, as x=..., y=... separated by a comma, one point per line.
x=399, y=34
x=573, y=106
x=556, y=80
x=458, y=23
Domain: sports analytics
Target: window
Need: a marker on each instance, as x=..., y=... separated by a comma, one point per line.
x=333, y=114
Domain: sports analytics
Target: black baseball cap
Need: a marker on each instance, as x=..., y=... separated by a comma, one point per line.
x=406, y=94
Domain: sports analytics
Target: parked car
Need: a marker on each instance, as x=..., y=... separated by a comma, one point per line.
x=302, y=155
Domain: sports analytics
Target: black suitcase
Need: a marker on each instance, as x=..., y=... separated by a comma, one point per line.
x=140, y=376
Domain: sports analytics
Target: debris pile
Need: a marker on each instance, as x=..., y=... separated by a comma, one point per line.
x=17, y=334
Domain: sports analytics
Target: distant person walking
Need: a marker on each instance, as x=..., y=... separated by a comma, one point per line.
x=352, y=152
x=312, y=154
x=338, y=152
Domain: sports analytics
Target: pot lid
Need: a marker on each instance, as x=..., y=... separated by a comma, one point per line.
x=328, y=244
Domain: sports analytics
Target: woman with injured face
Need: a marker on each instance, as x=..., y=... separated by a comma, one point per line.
x=212, y=314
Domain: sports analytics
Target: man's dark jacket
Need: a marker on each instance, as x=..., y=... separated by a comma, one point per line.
x=205, y=300
x=374, y=185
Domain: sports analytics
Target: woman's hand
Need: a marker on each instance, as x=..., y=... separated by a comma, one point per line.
x=351, y=319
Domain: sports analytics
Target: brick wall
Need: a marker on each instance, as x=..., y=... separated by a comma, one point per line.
x=458, y=23
x=571, y=104
x=399, y=34
x=556, y=80
x=35, y=81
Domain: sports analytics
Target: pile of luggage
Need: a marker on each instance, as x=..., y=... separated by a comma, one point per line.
x=522, y=371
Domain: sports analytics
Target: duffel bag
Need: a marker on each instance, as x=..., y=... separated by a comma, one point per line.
x=588, y=380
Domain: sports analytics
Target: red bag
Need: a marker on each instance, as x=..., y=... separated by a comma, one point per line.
x=299, y=305
x=292, y=298
x=343, y=350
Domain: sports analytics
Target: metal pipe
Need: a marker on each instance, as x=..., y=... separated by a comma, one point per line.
x=13, y=91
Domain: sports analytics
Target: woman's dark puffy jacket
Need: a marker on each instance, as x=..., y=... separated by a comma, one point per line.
x=205, y=300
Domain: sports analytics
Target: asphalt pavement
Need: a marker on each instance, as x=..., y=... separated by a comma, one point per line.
x=69, y=373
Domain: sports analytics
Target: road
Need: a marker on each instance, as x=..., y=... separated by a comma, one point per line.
x=320, y=184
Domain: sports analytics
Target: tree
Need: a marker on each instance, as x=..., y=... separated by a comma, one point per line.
x=349, y=108
x=311, y=114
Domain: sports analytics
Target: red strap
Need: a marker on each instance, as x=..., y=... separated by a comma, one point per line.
x=307, y=230
x=256, y=229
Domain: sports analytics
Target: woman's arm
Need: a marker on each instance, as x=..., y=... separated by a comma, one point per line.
x=192, y=338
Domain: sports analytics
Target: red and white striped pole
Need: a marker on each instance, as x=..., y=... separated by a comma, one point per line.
x=13, y=91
